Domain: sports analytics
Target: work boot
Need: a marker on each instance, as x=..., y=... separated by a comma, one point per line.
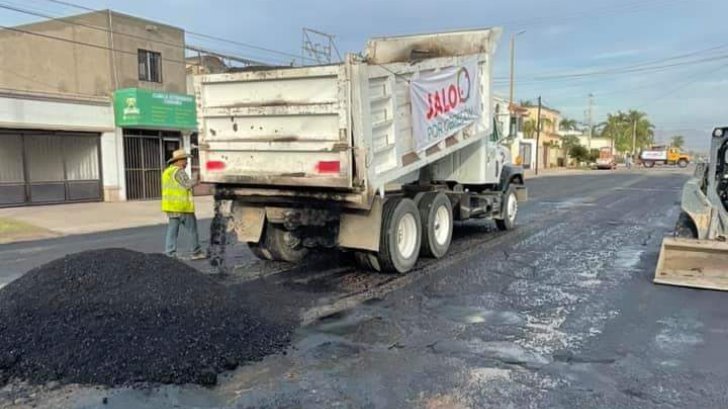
x=200, y=255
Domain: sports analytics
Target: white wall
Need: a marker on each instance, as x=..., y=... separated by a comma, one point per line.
x=112, y=165
x=596, y=142
x=50, y=112
x=42, y=112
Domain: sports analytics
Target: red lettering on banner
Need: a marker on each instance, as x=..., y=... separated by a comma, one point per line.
x=442, y=101
x=453, y=96
x=430, y=108
x=438, y=105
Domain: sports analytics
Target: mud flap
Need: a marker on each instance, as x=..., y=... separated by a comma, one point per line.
x=521, y=193
x=361, y=230
x=248, y=223
x=693, y=263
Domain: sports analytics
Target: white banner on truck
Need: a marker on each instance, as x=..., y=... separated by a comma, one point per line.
x=654, y=155
x=444, y=102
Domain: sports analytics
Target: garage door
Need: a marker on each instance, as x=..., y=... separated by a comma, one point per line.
x=39, y=167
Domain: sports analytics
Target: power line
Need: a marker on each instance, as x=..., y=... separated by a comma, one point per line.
x=104, y=29
x=225, y=40
x=620, y=71
x=65, y=40
x=689, y=81
x=195, y=34
x=65, y=3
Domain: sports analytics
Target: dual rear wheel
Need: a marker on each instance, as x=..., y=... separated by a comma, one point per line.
x=410, y=230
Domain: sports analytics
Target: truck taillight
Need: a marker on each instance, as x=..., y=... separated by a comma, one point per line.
x=333, y=166
x=215, y=165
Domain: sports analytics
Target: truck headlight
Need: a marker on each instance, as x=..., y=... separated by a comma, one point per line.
x=718, y=132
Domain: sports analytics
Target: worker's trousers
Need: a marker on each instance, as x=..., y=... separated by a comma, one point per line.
x=189, y=222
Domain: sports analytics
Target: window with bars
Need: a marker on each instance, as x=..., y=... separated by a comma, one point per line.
x=150, y=66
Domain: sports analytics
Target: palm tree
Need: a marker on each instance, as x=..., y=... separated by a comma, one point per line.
x=546, y=123
x=529, y=128
x=619, y=128
x=677, y=141
x=526, y=103
x=567, y=124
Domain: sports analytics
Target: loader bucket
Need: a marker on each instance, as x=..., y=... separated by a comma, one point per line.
x=693, y=263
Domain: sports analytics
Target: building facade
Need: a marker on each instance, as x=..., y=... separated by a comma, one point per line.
x=549, y=153
x=91, y=106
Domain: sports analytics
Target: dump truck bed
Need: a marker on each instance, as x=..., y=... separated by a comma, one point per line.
x=345, y=127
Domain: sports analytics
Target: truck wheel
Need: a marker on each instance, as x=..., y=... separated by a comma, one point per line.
x=649, y=163
x=280, y=244
x=259, y=251
x=685, y=227
x=682, y=163
x=367, y=261
x=399, y=246
x=437, y=224
x=509, y=211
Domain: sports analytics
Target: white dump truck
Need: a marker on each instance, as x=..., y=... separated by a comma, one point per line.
x=379, y=155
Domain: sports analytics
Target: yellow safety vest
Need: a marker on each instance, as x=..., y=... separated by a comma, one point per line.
x=175, y=198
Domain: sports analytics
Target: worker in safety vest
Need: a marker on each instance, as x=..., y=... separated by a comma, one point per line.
x=178, y=204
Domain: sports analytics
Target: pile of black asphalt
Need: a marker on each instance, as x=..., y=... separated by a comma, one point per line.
x=118, y=317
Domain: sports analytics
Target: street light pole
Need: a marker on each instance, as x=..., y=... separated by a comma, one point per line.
x=538, y=131
x=513, y=71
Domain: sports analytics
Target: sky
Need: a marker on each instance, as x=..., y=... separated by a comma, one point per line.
x=668, y=58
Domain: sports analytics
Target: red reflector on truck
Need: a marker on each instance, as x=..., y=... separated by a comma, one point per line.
x=215, y=165
x=333, y=166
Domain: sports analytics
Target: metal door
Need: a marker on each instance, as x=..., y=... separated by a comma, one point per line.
x=145, y=158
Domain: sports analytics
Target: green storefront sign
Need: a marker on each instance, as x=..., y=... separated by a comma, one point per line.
x=142, y=108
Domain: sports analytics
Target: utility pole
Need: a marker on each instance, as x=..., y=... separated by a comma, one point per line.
x=591, y=119
x=513, y=75
x=634, y=135
x=538, y=131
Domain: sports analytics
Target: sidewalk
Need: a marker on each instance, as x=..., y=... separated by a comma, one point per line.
x=40, y=222
x=530, y=173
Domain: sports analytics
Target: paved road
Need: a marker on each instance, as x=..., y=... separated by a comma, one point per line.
x=560, y=313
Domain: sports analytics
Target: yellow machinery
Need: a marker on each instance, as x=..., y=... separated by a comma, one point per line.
x=698, y=254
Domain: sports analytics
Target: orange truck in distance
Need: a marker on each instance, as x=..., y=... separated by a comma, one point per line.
x=665, y=156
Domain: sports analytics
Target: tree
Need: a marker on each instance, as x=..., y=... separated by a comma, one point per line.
x=529, y=128
x=526, y=103
x=546, y=123
x=579, y=153
x=567, y=124
x=619, y=127
x=569, y=141
x=677, y=141
x=593, y=155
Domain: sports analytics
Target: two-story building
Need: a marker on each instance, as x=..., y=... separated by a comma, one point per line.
x=91, y=106
x=550, y=153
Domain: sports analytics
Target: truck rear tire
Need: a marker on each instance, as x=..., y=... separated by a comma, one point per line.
x=399, y=246
x=367, y=261
x=682, y=163
x=509, y=211
x=278, y=244
x=437, y=224
x=259, y=251
x=649, y=163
